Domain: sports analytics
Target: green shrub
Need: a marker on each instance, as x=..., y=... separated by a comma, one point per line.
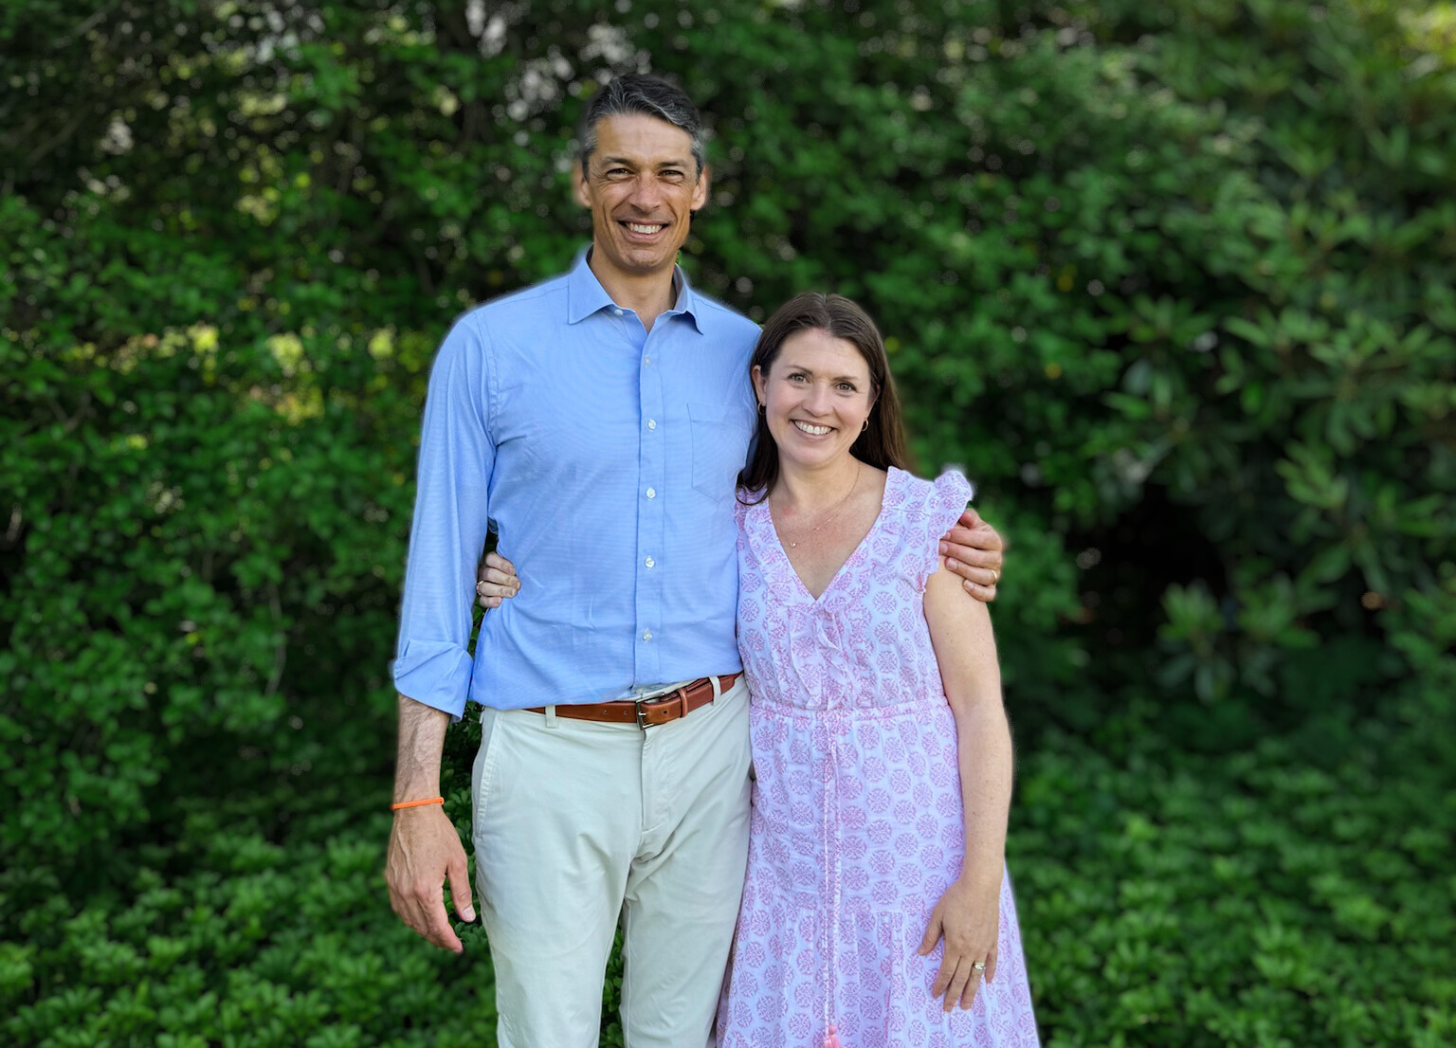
x=1258, y=899
x=1253, y=899
x=209, y=561
x=1182, y=270
x=255, y=945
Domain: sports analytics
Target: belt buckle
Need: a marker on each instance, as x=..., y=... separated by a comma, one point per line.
x=639, y=702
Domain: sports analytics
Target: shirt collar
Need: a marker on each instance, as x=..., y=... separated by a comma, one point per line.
x=585, y=294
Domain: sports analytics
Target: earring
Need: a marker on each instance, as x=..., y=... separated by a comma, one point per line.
x=866, y=427
x=762, y=409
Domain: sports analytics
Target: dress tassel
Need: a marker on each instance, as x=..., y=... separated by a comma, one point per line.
x=831, y=1039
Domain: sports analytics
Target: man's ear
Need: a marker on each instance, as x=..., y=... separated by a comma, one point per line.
x=579, y=188
x=700, y=191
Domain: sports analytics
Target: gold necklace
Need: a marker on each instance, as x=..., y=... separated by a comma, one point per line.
x=833, y=513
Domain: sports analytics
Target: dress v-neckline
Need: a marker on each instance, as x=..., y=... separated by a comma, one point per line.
x=778, y=543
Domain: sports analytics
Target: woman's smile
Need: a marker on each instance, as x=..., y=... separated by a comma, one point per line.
x=811, y=429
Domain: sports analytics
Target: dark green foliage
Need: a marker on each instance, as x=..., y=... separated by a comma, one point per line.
x=1251, y=899
x=190, y=528
x=256, y=945
x=1172, y=281
x=1256, y=899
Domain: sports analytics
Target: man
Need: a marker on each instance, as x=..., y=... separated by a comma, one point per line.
x=612, y=778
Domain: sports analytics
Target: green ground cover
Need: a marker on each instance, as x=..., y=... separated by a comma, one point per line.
x=1291, y=894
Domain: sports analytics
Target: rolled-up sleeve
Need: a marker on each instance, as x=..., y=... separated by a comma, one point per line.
x=432, y=663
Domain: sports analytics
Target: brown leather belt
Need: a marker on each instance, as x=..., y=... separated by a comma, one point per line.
x=651, y=711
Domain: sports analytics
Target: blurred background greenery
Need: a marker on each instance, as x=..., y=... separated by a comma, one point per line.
x=1172, y=282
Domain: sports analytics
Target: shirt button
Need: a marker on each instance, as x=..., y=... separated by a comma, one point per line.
x=652, y=423
x=649, y=562
x=616, y=311
x=646, y=634
x=646, y=360
x=652, y=493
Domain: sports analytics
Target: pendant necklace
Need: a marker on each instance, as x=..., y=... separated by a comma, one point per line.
x=833, y=513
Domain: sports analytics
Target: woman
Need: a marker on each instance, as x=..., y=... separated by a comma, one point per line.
x=876, y=909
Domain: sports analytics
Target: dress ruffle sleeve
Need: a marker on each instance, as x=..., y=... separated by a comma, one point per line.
x=945, y=502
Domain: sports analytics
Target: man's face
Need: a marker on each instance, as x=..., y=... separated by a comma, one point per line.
x=641, y=185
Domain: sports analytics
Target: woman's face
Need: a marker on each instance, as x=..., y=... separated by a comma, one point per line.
x=816, y=396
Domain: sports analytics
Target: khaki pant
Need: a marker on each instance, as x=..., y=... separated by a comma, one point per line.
x=578, y=824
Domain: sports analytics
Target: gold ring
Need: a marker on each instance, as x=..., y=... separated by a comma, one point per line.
x=980, y=966
x=995, y=576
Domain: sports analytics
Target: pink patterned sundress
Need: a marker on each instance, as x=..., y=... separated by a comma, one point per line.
x=857, y=825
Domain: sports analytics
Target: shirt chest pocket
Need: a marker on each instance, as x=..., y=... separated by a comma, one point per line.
x=720, y=446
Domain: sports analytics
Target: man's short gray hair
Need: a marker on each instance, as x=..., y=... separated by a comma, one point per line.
x=634, y=93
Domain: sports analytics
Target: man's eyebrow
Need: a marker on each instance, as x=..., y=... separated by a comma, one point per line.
x=632, y=162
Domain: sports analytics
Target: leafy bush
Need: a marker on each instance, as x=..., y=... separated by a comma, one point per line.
x=1265, y=898
x=1262, y=899
x=256, y=945
x=210, y=562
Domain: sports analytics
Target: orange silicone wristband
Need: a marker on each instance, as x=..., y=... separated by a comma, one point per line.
x=418, y=803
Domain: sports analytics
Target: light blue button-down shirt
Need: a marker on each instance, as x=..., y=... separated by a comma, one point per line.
x=604, y=457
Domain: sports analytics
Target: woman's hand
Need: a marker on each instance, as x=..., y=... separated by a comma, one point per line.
x=496, y=581
x=969, y=917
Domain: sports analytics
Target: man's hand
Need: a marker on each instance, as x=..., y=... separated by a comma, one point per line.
x=424, y=849
x=496, y=581
x=424, y=853
x=973, y=550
